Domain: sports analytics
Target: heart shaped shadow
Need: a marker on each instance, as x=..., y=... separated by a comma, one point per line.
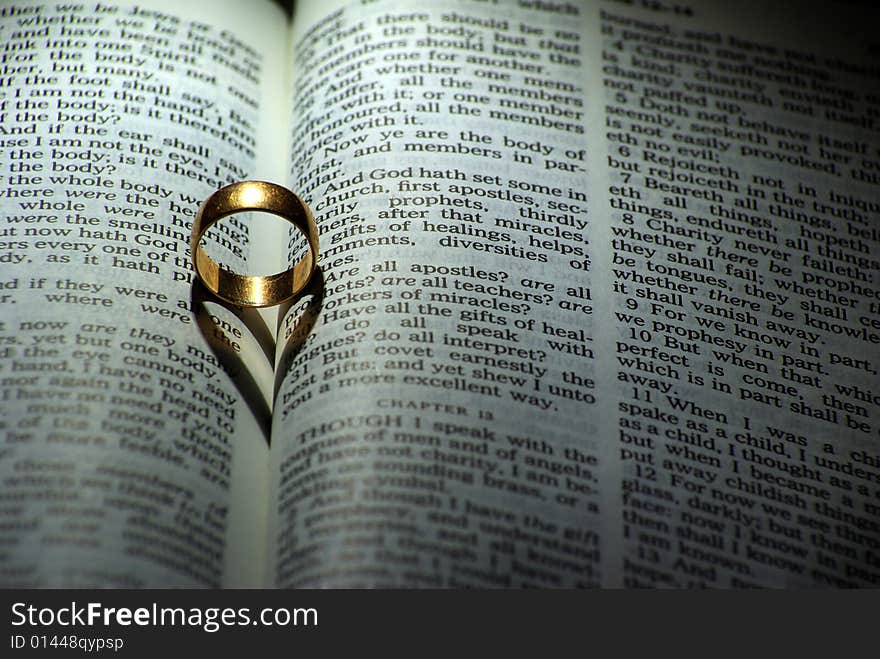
x=223, y=336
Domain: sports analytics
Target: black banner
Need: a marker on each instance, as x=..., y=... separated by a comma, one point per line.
x=122, y=623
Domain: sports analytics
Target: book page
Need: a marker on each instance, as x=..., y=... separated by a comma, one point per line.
x=128, y=456
x=600, y=300
x=742, y=152
x=439, y=427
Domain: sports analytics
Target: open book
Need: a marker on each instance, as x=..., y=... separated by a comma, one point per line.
x=598, y=299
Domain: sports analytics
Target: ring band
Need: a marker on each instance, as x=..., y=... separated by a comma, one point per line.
x=254, y=291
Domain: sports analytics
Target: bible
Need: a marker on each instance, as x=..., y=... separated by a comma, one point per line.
x=596, y=304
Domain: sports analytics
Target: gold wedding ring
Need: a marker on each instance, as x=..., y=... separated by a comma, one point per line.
x=254, y=291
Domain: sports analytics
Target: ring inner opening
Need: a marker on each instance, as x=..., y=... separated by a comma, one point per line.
x=228, y=244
